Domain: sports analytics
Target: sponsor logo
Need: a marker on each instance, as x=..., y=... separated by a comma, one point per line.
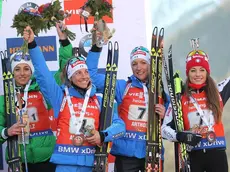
x=47, y=45
x=73, y=7
x=135, y=136
x=85, y=45
x=74, y=150
x=205, y=144
x=33, y=96
x=140, y=95
x=40, y=133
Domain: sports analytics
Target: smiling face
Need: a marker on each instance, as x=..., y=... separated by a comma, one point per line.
x=22, y=73
x=81, y=78
x=197, y=75
x=140, y=68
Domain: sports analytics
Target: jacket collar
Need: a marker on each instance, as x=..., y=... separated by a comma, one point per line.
x=136, y=82
x=75, y=93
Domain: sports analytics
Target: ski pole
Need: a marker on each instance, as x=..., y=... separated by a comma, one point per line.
x=23, y=134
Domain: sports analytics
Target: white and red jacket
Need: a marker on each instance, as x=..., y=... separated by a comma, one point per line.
x=193, y=122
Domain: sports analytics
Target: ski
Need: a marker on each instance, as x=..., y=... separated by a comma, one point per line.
x=171, y=90
x=174, y=84
x=183, y=155
x=10, y=111
x=100, y=163
x=154, y=143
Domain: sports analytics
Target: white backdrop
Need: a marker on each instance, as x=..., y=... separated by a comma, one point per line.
x=131, y=19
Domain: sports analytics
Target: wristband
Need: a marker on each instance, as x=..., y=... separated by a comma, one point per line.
x=4, y=133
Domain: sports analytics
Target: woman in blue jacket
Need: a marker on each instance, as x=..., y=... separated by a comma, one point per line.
x=132, y=99
x=77, y=108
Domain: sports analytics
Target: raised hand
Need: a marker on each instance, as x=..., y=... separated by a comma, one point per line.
x=28, y=34
x=60, y=28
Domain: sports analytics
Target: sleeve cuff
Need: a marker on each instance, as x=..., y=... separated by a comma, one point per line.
x=103, y=135
x=32, y=45
x=64, y=43
x=3, y=134
x=95, y=48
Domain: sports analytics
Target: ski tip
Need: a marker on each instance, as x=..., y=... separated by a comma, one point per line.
x=110, y=43
x=170, y=51
x=116, y=45
x=170, y=47
x=155, y=30
x=176, y=74
x=162, y=32
x=3, y=54
x=110, y=46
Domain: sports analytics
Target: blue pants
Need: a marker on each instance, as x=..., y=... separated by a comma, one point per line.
x=69, y=168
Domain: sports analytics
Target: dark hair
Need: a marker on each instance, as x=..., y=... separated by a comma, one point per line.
x=63, y=75
x=213, y=97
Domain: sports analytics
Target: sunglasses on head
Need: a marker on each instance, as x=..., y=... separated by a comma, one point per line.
x=75, y=59
x=141, y=48
x=197, y=52
x=20, y=57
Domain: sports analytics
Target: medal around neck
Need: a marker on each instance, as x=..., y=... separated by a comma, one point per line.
x=211, y=136
x=78, y=140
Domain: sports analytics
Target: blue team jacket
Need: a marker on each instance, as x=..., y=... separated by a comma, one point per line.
x=121, y=146
x=54, y=94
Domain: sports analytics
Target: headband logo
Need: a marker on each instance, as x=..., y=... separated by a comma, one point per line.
x=139, y=52
x=77, y=63
x=198, y=60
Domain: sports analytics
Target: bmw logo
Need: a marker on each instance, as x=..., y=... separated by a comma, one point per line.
x=85, y=45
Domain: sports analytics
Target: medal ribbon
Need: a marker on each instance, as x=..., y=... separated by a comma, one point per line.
x=83, y=110
x=201, y=114
x=25, y=96
x=146, y=95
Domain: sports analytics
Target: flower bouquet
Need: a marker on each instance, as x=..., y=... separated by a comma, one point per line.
x=28, y=16
x=98, y=9
x=41, y=19
x=52, y=13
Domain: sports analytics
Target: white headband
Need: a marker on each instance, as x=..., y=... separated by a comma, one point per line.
x=14, y=63
x=140, y=55
x=72, y=68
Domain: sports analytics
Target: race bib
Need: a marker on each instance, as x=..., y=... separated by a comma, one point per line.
x=86, y=125
x=33, y=114
x=137, y=113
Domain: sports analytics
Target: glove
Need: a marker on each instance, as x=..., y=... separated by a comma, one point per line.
x=189, y=138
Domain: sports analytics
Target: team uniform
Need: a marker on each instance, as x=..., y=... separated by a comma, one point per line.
x=131, y=99
x=41, y=138
x=209, y=154
x=66, y=155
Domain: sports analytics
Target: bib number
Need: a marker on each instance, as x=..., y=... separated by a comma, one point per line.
x=137, y=113
x=33, y=114
x=86, y=123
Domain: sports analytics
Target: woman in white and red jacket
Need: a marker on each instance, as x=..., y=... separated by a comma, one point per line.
x=202, y=108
